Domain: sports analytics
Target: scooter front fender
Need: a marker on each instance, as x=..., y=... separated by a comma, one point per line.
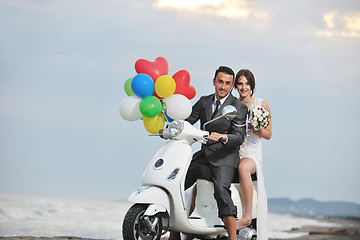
x=151, y=195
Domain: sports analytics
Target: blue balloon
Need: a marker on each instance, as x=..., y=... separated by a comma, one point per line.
x=168, y=119
x=142, y=85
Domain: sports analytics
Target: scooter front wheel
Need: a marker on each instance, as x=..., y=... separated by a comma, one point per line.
x=137, y=226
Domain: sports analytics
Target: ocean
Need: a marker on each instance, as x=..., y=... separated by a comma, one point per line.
x=48, y=217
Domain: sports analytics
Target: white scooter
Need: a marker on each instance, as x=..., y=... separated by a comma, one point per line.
x=160, y=203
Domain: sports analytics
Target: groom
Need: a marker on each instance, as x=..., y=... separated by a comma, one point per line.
x=218, y=161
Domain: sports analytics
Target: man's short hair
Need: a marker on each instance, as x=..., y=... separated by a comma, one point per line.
x=224, y=69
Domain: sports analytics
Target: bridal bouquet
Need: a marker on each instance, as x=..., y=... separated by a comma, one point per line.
x=259, y=117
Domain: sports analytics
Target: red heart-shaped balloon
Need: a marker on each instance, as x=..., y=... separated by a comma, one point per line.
x=183, y=86
x=154, y=69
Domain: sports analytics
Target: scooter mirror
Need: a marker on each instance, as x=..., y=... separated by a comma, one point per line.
x=229, y=111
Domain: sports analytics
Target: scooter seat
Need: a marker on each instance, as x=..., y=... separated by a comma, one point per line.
x=236, y=177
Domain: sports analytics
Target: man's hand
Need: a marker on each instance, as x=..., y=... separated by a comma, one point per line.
x=217, y=136
x=161, y=132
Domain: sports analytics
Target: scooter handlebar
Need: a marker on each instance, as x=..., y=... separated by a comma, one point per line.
x=211, y=139
x=184, y=131
x=222, y=140
x=162, y=133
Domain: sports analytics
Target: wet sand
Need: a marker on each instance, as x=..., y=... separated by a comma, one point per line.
x=347, y=230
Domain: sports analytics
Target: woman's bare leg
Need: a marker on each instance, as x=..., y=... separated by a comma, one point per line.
x=247, y=167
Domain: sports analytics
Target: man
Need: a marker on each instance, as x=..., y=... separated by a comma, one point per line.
x=218, y=161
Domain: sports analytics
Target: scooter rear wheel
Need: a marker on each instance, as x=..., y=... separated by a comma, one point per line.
x=136, y=227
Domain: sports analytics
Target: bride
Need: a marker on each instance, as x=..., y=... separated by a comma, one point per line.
x=251, y=157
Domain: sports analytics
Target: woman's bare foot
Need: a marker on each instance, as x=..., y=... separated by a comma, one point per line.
x=243, y=222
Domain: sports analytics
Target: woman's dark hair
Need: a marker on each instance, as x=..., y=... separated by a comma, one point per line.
x=249, y=76
x=226, y=70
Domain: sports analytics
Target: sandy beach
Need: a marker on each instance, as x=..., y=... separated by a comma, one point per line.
x=347, y=230
x=312, y=233
x=37, y=218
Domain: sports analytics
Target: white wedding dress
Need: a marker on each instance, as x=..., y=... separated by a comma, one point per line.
x=252, y=148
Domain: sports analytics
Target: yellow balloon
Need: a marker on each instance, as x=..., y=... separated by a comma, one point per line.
x=153, y=125
x=165, y=86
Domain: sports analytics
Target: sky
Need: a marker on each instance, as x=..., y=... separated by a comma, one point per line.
x=63, y=65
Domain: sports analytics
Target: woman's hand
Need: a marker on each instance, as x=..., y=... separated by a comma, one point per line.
x=265, y=133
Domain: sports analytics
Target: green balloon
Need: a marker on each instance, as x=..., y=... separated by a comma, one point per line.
x=127, y=87
x=150, y=106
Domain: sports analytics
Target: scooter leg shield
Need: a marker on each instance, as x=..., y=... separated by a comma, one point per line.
x=152, y=195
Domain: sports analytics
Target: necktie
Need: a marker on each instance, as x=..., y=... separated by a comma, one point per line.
x=216, y=108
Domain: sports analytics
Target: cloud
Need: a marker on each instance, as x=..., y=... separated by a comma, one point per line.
x=338, y=24
x=187, y=4
x=232, y=9
x=329, y=19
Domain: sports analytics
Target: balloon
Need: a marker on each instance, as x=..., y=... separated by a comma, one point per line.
x=129, y=108
x=168, y=119
x=142, y=85
x=150, y=106
x=178, y=106
x=127, y=87
x=154, y=68
x=183, y=86
x=155, y=95
x=153, y=125
x=165, y=86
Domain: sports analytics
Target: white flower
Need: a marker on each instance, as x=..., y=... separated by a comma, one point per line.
x=259, y=117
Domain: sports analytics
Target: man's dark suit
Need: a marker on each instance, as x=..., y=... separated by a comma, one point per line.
x=217, y=161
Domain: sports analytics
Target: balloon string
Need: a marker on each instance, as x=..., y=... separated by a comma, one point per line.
x=166, y=118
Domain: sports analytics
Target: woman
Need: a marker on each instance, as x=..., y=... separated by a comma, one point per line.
x=251, y=157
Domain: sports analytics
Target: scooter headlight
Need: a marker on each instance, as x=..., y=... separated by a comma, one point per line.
x=175, y=128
